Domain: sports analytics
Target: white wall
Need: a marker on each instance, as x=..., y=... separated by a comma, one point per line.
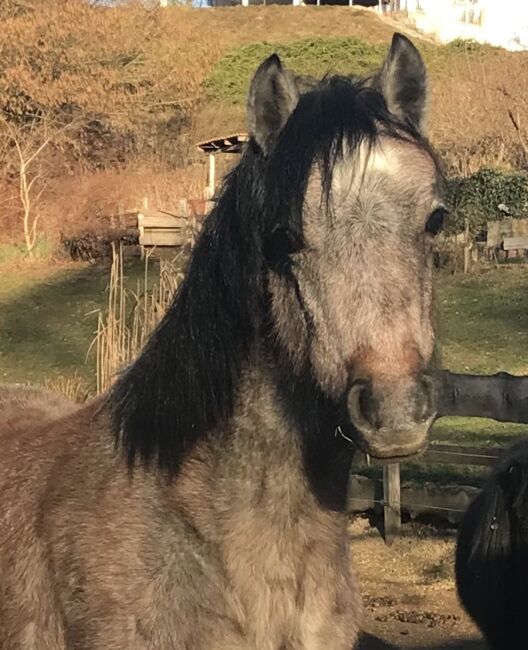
x=499, y=22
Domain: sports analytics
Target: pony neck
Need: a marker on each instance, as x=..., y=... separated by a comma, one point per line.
x=284, y=420
x=210, y=361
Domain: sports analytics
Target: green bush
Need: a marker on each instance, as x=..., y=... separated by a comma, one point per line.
x=315, y=57
x=488, y=195
x=469, y=46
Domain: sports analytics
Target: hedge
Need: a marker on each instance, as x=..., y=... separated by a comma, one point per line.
x=488, y=195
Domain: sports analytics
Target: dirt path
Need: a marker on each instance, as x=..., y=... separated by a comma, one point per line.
x=409, y=592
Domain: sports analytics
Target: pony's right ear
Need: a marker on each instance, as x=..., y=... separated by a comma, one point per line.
x=272, y=98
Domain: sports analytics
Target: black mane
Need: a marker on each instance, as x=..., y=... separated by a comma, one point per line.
x=492, y=552
x=336, y=112
x=184, y=383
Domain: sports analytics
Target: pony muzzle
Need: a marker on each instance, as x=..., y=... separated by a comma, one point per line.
x=392, y=419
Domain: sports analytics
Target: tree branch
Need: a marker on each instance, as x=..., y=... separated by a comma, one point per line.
x=501, y=397
x=516, y=121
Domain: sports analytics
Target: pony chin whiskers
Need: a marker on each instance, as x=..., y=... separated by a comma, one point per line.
x=339, y=432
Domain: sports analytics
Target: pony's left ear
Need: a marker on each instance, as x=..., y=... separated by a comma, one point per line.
x=272, y=98
x=403, y=81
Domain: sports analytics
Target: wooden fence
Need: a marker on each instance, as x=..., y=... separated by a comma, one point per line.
x=502, y=397
x=449, y=501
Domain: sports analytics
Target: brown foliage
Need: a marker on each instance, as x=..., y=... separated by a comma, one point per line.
x=471, y=104
x=125, y=79
x=94, y=201
x=129, y=68
x=130, y=78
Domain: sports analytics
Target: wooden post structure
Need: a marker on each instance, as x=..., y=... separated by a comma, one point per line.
x=211, y=184
x=391, y=502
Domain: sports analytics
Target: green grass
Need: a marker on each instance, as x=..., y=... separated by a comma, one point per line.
x=483, y=328
x=11, y=253
x=48, y=319
x=483, y=321
x=315, y=57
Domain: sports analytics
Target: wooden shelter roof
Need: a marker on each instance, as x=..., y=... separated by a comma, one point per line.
x=227, y=144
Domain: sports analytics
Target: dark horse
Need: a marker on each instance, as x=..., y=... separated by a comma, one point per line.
x=492, y=554
x=200, y=505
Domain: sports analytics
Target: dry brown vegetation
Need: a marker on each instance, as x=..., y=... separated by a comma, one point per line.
x=124, y=88
x=131, y=316
x=123, y=81
x=471, y=110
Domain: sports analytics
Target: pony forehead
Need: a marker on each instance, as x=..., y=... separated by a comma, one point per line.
x=393, y=155
x=387, y=157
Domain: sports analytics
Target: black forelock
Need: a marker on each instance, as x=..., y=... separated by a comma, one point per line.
x=333, y=117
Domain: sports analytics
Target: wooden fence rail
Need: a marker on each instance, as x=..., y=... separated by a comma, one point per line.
x=501, y=396
x=461, y=455
x=450, y=502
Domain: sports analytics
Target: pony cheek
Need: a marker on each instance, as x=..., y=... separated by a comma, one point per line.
x=301, y=331
x=290, y=327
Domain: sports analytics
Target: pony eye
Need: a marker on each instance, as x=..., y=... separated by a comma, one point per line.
x=436, y=220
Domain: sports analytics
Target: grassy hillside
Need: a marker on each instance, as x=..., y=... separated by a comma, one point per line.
x=468, y=81
x=139, y=87
x=317, y=56
x=234, y=26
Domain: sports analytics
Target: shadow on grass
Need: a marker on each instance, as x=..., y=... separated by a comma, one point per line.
x=483, y=320
x=47, y=325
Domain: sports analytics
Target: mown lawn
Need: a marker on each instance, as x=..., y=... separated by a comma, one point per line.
x=48, y=319
x=483, y=328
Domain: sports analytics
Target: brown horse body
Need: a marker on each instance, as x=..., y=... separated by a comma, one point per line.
x=201, y=504
x=235, y=554
x=24, y=408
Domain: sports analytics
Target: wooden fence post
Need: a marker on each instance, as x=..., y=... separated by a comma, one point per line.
x=391, y=502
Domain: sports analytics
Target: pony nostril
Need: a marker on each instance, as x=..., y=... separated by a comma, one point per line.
x=368, y=408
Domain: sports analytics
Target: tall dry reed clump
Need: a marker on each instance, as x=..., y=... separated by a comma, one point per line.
x=71, y=386
x=132, y=315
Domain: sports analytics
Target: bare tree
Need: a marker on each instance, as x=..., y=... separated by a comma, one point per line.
x=24, y=147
